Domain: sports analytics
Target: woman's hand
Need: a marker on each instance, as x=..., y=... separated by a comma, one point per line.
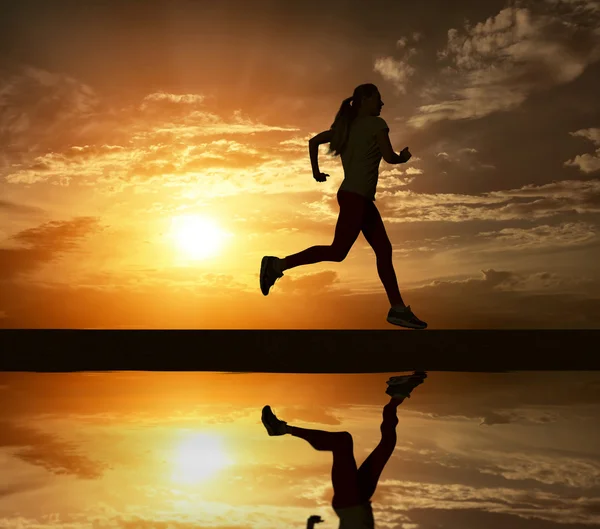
x=320, y=177
x=405, y=155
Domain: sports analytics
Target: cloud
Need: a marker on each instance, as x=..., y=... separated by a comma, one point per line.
x=497, y=64
x=396, y=71
x=530, y=202
x=56, y=135
x=309, y=284
x=564, y=235
x=40, y=108
x=45, y=243
x=501, y=280
x=587, y=163
x=166, y=101
x=465, y=159
x=19, y=209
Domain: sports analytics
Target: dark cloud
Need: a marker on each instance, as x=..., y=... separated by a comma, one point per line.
x=497, y=299
x=44, y=244
x=474, y=518
x=23, y=486
x=48, y=451
x=41, y=109
x=20, y=209
x=496, y=64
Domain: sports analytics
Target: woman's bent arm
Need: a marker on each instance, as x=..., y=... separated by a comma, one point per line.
x=313, y=150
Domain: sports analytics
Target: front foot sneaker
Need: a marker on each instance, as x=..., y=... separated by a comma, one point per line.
x=273, y=425
x=402, y=386
x=269, y=273
x=404, y=317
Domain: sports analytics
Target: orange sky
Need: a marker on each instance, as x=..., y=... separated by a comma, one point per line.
x=188, y=450
x=493, y=221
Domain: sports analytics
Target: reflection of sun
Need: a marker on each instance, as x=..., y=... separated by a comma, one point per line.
x=198, y=457
x=198, y=237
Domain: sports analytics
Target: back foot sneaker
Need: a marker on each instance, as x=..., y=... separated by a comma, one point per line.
x=402, y=386
x=269, y=273
x=273, y=425
x=404, y=317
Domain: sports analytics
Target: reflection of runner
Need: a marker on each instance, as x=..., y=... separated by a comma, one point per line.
x=361, y=137
x=352, y=487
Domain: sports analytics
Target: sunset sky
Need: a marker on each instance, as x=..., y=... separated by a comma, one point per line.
x=152, y=152
x=188, y=451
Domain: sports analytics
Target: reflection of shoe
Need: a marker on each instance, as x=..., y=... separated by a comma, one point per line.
x=404, y=317
x=273, y=425
x=402, y=386
x=269, y=273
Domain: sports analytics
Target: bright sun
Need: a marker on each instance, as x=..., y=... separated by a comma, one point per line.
x=198, y=457
x=198, y=237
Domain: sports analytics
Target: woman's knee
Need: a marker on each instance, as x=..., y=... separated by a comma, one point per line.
x=345, y=439
x=384, y=250
x=388, y=428
x=339, y=253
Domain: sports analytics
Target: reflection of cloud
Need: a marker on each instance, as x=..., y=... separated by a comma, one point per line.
x=497, y=64
x=310, y=414
x=441, y=465
x=48, y=451
x=550, y=469
x=406, y=496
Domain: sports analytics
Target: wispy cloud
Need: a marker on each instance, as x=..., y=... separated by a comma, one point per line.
x=587, y=163
x=497, y=64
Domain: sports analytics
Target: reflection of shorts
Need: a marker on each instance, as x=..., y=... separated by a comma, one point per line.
x=356, y=517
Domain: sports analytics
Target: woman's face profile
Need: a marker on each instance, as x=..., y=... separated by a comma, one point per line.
x=373, y=104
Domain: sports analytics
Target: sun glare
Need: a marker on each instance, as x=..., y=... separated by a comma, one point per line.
x=198, y=458
x=197, y=237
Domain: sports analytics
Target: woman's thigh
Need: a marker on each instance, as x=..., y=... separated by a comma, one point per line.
x=374, y=231
x=353, y=208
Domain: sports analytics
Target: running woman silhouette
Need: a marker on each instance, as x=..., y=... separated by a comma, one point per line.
x=352, y=487
x=361, y=137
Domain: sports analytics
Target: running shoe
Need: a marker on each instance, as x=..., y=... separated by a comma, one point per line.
x=402, y=386
x=404, y=317
x=273, y=425
x=269, y=273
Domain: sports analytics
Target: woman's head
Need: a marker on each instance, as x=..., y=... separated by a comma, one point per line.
x=365, y=100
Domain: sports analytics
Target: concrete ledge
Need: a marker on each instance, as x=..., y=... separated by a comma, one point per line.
x=281, y=351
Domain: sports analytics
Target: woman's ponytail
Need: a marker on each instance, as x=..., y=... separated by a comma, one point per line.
x=345, y=116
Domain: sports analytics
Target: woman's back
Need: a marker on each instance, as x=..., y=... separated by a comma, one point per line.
x=361, y=156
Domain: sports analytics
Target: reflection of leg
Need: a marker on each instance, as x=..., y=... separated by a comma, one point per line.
x=347, y=229
x=343, y=473
x=375, y=234
x=370, y=471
